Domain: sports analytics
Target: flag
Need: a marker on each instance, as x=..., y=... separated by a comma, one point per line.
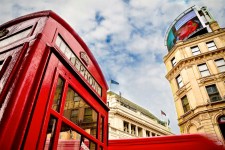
x=162, y=113
x=114, y=82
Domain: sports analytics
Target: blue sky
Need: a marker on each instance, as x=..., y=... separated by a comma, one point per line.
x=127, y=39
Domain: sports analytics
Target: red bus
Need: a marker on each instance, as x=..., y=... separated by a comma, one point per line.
x=177, y=142
x=51, y=87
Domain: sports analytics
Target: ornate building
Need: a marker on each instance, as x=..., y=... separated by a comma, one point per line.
x=128, y=120
x=196, y=72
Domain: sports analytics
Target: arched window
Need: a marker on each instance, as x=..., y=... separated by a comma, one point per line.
x=221, y=123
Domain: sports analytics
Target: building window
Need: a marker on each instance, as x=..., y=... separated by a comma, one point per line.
x=140, y=133
x=173, y=61
x=126, y=126
x=185, y=104
x=221, y=122
x=74, y=115
x=88, y=114
x=220, y=63
x=179, y=81
x=211, y=45
x=133, y=129
x=195, y=50
x=203, y=70
x=147, y=133
x=213, y=93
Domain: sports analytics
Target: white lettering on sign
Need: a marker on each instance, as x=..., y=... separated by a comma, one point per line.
x=78, y=64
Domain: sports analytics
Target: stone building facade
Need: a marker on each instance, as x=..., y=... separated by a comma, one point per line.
x=128, y=120
x=196, y=72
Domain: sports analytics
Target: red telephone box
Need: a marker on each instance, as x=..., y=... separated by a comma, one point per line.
x=52, y=91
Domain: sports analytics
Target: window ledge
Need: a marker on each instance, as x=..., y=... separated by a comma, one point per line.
x=216, y=102
x=207, y=79
x=181, y=90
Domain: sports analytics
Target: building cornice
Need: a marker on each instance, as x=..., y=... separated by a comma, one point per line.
x=193, y=112
x=152, y=125
x=193, y=60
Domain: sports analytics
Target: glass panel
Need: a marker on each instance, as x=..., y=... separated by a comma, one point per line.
x=88, y=143
x=173, y=61
x=211, y=89
x=222, y=68
x=58, y=95
x=58, y=41
x=1, y=64
x=210, y=44
x=126, y=126
x=196, y=53
x=50, y=133
x=15, y=37
x=185, y=104
x=77, y=64
x=195, y=49
x=213, y=93
x=147, y=133
x=205, y=73
x=63, y=47
x=70, y=139
x=220, y=62
x=73, y=58
x=80, y=113
x=102, y=129
x=202, y=67
x=181, y=84
x=222, y=119
x=212, y=48
x=179, y=81
x=68, y=53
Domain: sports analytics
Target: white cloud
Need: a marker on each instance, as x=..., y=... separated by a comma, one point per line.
x=133, y=54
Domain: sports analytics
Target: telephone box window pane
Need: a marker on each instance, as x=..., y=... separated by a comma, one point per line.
x=58, y=95
x=86, y=144
x=101, y=129
x=1, y=64
x=50, y=133
x=15, y=37
x=80, y=113
x=71, y=139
